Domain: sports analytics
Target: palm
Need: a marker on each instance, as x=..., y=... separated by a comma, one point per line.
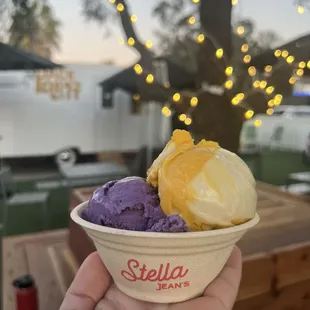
x=93, y=281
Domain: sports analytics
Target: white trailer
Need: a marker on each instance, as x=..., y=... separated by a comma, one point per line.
x=63, y=113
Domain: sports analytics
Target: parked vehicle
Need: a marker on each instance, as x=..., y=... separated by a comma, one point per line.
x=288, y=128
x=65, y=113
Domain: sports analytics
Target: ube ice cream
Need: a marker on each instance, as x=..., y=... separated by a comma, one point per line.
x=130, y=204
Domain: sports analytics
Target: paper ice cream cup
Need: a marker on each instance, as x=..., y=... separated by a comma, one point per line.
x=162, y=267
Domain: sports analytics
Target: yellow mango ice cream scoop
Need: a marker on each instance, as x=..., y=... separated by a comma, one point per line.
x=208, y=186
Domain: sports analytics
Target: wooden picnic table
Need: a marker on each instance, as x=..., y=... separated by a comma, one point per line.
x=276, y=268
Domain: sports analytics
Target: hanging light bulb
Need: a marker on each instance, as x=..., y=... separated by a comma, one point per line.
x=136, y=97
x=308, y=64
x=150, y=78
x=246, y=59
x=176, y=97
x=200, y=38
x=121, y=41
x=268, y=68
x=258, y=123
x=292, y=80
x=278, y=53
x=166, y=84
x=148, y=44
x=252, y=71
x=120, y=7
x=191, y=20
x=240, y=96
x=240, y=30
x=131, y=41
x=112, y=1
x=229, y=84
x=269, y=90
x=235, y=101
x=270, y=111
x=301, y=9
x=263, y=84
x=182, y=117
x=166, y=111
x=195, y=1
x=302, y=65
x=138, y=69
x=188, y=121
x=244, y=48
x=278, y=100
x=271, y=103
x=229, y=71
x=284, y=54
x=194, y=101
x=133, y=18
x=234, y=2
x=300, y=72
x=256, y=84
x=249, y=114
x=290, y=59
x=219, y=53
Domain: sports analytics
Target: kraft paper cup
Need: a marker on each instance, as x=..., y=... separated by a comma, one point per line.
x=162, y=267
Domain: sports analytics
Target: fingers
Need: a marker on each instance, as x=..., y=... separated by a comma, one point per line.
x=225, y=287
x=89, y=286
x=222, y=292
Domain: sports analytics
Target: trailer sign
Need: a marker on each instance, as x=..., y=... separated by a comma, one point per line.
x=58, y=84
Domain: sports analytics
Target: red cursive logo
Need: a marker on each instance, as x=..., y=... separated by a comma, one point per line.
x=137, y=271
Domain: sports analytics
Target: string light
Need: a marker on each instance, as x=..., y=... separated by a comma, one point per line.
x=166, y=111
x=229, y=84
x=166, y=84
x=240, y=96
x=240, y=30
x=200, y=38
x=249, y=114
x=234, y=2
x=290, y=59
x=302, y=65
x=131, y=41
x=235, y=101
x=284, y=54
x=270, y=111
x=188, y=121
x=121, y=41
x=194, y=101
x=256, y=84
x=277, y=53
x=308, y=64
x=263, y=84
x=229, y=71
x=278, y=100
x=244, y=48
x=246, y=59
x=219, y=53
x=268, y=68
x=133, y=18
x=191, y=20
x=258, y=123
x=150, y=78
x=176, y=97
x=148, y=44
x=182, y=117
x=292, y=80
x=120, y=7
x=195, y=1
x=300, y=9
x=252, y=71
x=300, y=72
x=112, y=1
x=270, y=90
x=136, y=97
x=138, y=69
x=271, y=103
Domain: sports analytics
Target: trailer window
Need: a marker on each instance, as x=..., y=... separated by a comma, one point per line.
x=107, y=99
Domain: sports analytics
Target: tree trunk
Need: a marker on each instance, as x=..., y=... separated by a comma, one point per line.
x=215, y=118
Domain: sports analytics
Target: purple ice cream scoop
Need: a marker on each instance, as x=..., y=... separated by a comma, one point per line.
x=130, y=204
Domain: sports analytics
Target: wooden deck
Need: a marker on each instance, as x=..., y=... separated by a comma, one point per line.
x=276, y=258
x=47, y=258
